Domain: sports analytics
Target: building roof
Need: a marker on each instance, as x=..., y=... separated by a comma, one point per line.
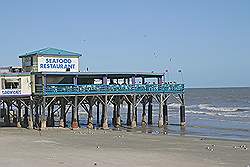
x=50, y=51
x=99, y=75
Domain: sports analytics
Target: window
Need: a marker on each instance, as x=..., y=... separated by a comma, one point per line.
x=12, y=83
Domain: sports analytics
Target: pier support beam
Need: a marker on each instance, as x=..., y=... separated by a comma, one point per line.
x=118, y=115
x=74, y=123
x=129, y=115
x=98, y=114
x=25, y=116
x=52, y=121
x=150, y=112
x=182, y=115
x=49, y=122
x=105, y=113
x=114, y=114
x=19, y=113
x=160, y=122
x=7, y=115
x=37, y=122
x=144, y=119
x=165, y=114
x=90, y=115
x=30, y=117
x=62, y=114
x=43, y=118
x=133, y=123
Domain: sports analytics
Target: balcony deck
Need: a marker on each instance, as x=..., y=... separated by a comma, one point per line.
x=93, y=89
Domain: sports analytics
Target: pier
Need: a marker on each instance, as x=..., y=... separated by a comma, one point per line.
x=49, y=84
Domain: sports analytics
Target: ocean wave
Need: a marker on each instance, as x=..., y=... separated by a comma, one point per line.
x=222, y=109
x=202, y=112
x=174, y=105
x=224, y=114
x=211, y=107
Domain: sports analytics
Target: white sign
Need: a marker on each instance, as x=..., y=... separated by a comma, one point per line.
x=57, y=64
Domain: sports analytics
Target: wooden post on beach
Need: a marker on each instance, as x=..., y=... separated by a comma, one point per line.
x=52, y=121
x=98, y=113
x=7, y=115
x=114, y=114
x=129, y=115
x=160, y=121
x=182, y=115
x=37, y=116
x=62, y=114
x=30, y=117
x=74, y=123
x=25, y=116
x=43, y=118
x=150, y=112
x=90, y=114
x=136, y=114
x=118, y=114
x=133, y=123
x=105, y=113
x=144, y=119
x=3, y=112
x=49, y=124
x=102, y=114
x=165, y=114
x=19, y=113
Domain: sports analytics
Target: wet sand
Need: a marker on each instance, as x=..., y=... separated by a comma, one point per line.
x=63, y=147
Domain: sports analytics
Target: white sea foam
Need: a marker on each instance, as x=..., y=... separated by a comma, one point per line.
x=224, y=114
x=174, y=105
x=222, y=109
x=202, y=112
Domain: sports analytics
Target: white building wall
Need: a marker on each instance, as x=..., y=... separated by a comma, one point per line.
x=24, y=90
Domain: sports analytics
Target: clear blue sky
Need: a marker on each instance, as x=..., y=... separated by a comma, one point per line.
x=208, y=39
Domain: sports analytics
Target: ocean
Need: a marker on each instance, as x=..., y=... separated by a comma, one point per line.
x=213, y=112
x=210, y=112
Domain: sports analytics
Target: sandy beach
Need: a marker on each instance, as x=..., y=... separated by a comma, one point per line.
x=83, y=147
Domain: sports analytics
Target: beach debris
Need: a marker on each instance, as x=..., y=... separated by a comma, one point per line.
x=98, y=147
x=95, y=163
x=203, y=138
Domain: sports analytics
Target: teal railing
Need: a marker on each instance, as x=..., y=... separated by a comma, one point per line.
x=69, y=89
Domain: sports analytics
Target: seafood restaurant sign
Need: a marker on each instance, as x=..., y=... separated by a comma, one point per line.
x=58, y=64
